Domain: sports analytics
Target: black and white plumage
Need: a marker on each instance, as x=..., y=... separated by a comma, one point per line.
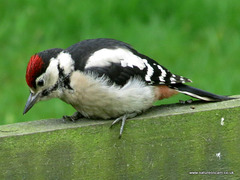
x=104, y=78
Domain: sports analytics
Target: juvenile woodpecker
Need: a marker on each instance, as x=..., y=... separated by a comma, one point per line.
x=104, y=79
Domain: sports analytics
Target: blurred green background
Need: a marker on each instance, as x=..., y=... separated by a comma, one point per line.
x=198, y=39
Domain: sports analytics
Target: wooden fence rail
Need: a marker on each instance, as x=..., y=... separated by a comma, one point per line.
x=178, y=141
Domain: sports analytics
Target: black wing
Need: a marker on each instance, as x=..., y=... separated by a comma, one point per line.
x=119, y=62
x=116, y=73
x=81, y=51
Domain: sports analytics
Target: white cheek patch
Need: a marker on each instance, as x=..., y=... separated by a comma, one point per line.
x=51, y=75
x=66, y=62
x=105, y=57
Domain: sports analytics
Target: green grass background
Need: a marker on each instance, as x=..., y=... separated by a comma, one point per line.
x=198, y=39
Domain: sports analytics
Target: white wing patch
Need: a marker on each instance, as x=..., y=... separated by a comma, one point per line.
x=150, y=71
x=173, y=80
x=105, y=57
x=163, y=75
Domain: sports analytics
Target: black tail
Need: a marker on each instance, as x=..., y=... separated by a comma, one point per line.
x=198, y=93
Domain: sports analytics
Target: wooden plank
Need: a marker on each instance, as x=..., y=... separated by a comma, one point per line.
x=169, y=142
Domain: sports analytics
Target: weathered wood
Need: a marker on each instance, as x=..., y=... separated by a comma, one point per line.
x=168, y=142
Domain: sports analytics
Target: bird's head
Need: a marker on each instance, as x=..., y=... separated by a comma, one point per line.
x=42, y=77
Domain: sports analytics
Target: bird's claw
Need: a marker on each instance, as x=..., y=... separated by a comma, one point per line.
x=123, y=119
x=186, y=102
x=73, y=118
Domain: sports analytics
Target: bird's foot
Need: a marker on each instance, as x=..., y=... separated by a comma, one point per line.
x=77, y=115
x=186, y=102
x=123, y=119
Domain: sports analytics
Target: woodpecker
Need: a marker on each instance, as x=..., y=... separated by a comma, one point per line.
x=104, y=79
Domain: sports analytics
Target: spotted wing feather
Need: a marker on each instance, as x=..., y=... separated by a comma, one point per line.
x=161, y=75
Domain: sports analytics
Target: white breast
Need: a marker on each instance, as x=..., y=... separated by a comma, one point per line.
x=95, y=99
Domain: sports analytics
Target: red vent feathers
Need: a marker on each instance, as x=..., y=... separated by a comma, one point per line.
x=34, y=69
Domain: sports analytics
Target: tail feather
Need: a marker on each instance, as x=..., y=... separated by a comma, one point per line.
x=198, y=93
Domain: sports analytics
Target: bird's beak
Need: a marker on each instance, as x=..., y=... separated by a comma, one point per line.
x=32, y=99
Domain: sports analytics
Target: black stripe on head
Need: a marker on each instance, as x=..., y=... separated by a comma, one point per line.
x=46, y=92
x=64, y=80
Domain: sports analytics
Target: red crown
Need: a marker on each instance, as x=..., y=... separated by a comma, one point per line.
x=34, y=69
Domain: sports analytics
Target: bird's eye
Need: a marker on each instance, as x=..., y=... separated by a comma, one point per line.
x=40, y=83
